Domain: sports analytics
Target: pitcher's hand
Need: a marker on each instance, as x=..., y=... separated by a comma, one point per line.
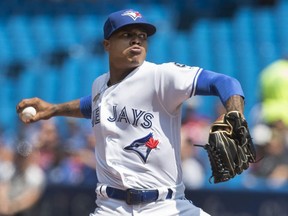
x=44, y=109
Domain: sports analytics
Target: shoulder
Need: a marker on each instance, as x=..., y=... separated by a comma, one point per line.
x=148, y=65
x=101, y=79
x=177, y=70
x=153, y=66
x=175, y=66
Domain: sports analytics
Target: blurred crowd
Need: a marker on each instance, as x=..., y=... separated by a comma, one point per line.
x=61, y=150
x=42, y=154
x=270, y=172
x=270, y=123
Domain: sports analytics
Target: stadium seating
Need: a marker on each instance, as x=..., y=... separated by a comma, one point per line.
x=34, y=33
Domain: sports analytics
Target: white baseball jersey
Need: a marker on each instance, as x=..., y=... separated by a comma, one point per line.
x=137, y=126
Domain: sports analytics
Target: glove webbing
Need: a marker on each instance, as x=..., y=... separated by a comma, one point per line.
x=218, y=170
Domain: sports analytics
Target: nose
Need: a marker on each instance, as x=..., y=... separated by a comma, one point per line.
x=136, y=40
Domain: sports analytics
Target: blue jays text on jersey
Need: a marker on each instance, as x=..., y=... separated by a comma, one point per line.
x=131, y=116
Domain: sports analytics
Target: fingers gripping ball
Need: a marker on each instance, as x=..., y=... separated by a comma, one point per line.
x=28, y=113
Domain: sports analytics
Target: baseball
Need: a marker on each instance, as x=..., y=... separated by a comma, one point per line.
x=28, y=113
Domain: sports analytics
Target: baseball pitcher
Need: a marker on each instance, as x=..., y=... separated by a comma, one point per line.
x=135, y=111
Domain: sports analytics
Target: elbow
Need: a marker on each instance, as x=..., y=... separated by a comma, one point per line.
x=227, y=87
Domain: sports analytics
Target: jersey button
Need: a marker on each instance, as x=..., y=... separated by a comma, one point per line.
x=128, y=181
x=108, y=138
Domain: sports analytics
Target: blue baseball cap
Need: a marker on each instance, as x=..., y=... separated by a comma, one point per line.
x=123, y=18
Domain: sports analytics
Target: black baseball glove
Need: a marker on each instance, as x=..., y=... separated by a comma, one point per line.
x=230, y=147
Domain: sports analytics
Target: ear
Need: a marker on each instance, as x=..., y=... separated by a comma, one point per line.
x=106, y=44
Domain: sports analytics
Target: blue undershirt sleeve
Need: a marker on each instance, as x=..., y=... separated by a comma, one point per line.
x=212, y=83
x=85, y=106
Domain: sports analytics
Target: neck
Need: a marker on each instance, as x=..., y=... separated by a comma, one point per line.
x=117, y=75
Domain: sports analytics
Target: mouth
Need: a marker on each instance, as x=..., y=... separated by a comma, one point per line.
x=135, y=50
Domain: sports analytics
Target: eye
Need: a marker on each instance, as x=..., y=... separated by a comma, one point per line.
x=126, y=35
x=129, y=35
x=142, y=36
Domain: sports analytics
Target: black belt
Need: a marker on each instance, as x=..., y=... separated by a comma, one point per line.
x=135, y=197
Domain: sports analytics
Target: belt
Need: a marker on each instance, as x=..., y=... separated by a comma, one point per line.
x=135, y=197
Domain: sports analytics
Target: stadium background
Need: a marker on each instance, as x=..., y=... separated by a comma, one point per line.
x=52, y=50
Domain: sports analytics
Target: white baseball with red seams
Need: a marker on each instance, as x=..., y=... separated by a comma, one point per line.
x=28, y=113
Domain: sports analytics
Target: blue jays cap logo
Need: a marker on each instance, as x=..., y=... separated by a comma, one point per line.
x=143, y=146
x=133, y=14
x=122, y=18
